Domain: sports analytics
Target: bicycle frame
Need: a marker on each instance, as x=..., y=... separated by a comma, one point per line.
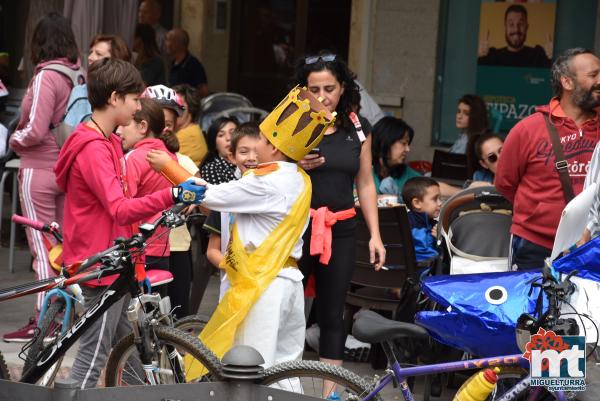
x=401, y=374
x=124, y=284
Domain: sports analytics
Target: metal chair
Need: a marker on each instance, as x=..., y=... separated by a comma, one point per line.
x=370, y=288
x=9, y=164
x=243, y=114
x=449, y=166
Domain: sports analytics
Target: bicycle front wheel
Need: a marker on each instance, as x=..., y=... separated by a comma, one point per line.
x=192, y=324
x=50, y=328
x=169, y=346
x=317, y=379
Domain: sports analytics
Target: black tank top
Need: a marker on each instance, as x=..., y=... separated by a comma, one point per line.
x=333, y=181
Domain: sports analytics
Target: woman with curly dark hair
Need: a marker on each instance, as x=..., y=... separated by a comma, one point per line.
x=52, y=47
x=344, y=159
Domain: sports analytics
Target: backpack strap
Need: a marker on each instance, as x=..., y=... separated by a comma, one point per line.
x=357, y=126
x=561, y=164
x=76, y=76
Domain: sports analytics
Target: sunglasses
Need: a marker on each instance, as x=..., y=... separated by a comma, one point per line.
x=313, y=59
x=493, y=157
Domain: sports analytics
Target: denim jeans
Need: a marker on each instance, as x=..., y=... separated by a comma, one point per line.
x=527, y=255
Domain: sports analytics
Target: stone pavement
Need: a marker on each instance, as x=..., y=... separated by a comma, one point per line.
x=15, y=313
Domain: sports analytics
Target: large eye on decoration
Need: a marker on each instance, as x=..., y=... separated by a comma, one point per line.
x=496, y=295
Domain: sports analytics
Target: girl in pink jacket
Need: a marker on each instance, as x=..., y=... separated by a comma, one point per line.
x=42, y=108
x=139, y=137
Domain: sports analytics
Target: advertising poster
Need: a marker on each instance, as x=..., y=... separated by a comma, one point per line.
x=514, y=57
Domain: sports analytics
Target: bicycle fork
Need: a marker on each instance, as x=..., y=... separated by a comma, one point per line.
x=60, y=293
x=144, y=338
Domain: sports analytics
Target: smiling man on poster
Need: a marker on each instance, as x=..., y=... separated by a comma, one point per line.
x=515, y=53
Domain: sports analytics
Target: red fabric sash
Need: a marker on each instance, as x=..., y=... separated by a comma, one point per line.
x=322, y=221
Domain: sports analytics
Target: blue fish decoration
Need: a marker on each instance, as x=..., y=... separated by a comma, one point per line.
x=585, y=259
x=479, y=310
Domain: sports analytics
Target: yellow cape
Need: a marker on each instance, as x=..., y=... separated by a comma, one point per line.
x=249, y=276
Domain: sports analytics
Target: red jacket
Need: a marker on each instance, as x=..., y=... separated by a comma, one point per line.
x=526, y=173
x=89, y=169
x=142, y=181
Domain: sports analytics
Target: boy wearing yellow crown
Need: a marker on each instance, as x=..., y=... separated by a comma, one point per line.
x=264, y=307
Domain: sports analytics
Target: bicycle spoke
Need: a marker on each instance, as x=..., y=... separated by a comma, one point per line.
x=176, y=363
x=132, y=373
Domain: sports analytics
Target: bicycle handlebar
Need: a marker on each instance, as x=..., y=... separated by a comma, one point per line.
x=557, y=291
x=91, y=261
x=146, y=231
x=36, y=225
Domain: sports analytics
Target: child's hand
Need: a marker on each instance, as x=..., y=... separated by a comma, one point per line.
x=199, y=181
x=434, y=231
x=190, y=191
x=157, y=159
x=585, y=238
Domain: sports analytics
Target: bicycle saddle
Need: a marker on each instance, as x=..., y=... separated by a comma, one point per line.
x=373, y=328
x=159, y=277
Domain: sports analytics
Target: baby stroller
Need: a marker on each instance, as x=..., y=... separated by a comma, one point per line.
x=474, y=227
x=226, y=104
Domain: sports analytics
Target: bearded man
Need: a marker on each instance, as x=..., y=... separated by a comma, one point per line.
x=528, y=173
x=515, y=54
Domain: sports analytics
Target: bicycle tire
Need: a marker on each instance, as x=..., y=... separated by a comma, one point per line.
x=52, y=313
x=4, y=373
x=121, y=352
x=307, y=372
x=191, y=324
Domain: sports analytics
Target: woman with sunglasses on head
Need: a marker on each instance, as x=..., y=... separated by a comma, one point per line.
x=343, y=159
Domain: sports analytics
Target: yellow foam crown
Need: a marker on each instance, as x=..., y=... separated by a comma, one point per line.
x=297, y=124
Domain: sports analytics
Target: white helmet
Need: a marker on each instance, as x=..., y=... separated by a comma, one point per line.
x=166, y=97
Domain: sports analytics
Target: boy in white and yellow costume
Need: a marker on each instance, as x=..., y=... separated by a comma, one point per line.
x=264, y=307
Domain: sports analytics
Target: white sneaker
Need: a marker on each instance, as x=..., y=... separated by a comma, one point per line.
x=352, y=342
x=355, y=350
